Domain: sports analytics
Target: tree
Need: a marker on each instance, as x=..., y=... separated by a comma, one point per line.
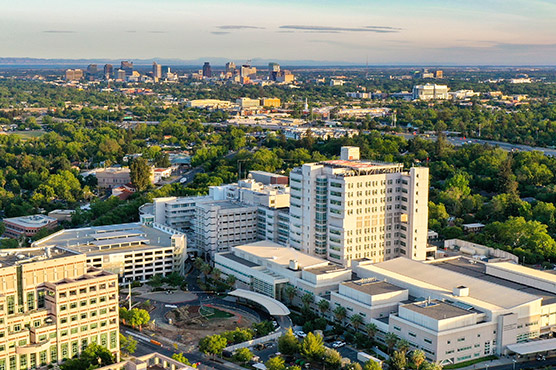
x=275, y=363
x=391, y=339
x=139, y=317
x=181, y=358
x=206, y=269
x=372, y=365
x=128, y=345
x=213, y=344
x=354, y=366
x=340, y=313
x=243, y=355
x=289, y=291
x=231, y=280
x=125, y=315
x=431, y=366
x=140, y=173
x=288, y=343
x=371, y=330
x=92, y=357
x=156, y=281
x=332, y=359
x=403, y=346
x=162, y=160
x=417, y=358
x=312, y=347
x=307, y=299
x=356, y=321
x=397, y=361
x=323, y=306
x=216, y=273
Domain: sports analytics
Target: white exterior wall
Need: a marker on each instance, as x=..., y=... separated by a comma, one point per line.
x=365, y=216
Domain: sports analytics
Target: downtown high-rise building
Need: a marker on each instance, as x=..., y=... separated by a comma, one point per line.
x=157, y=71
x=127, y=66
x=349, y=209
x=207, y=70
x=108, y=71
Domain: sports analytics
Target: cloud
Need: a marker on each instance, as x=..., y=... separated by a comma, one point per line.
x=220, y=33
x=58, y=31
x=157, y=31
x=240, y=27
x=331, y=29
x=383, y=28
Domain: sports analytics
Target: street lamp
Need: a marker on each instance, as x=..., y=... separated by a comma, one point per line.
x=514, y=361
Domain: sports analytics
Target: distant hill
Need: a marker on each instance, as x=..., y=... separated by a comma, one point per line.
x=215, y=61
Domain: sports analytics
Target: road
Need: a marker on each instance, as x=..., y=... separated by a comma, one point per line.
x=458, y=141
x=203, y=298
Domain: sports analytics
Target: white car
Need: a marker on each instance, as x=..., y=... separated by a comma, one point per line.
x=338, y=344
x=300, y=334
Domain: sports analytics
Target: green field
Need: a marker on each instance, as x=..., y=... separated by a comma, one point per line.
x=26, y=135
x=213, y=313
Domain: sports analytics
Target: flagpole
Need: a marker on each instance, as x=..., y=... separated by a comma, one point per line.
x=129, y=296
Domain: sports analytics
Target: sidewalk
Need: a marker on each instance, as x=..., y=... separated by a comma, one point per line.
x=502, y=361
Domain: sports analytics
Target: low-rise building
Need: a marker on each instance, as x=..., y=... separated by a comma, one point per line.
x=152, y=361
x=430, y=92
x=61, y=214
x=52, y=306
x=112, y=177
x=28, y=225
x=248, y=103
x=271, y=102
x=134, y=251
x=267, y=267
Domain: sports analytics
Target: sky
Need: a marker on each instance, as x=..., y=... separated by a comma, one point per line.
x=411, y=32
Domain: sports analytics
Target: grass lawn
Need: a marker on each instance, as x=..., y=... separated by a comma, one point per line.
x=26, y=135
x=470, y=362
x=213, y=313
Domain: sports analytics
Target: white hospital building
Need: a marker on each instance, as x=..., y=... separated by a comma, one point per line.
x=349, y=209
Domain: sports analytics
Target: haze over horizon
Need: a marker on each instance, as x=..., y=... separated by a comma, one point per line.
x=511, y=32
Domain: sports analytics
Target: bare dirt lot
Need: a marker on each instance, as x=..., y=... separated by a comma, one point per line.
x=189, y=326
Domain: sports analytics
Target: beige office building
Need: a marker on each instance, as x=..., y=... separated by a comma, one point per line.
x=52, y=306
x=349, y=209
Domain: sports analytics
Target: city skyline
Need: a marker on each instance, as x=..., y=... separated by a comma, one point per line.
x=400, y=32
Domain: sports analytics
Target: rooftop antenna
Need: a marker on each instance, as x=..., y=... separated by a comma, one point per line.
x=367, y=68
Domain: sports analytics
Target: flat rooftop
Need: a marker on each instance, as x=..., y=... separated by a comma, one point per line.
x=280, y=255
x=363, y=165
x=437, y=310
x=243, y=261
x=373, y=287
x=107, y=239
x=12, y=257
x=224, y=204
x=478, y=270
x=31, y=221
x=322, y=270
x=484, y=293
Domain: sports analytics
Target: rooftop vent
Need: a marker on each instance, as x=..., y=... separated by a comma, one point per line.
x=294, y=265
x=461, y=291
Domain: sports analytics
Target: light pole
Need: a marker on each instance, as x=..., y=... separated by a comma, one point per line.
x=514, y=361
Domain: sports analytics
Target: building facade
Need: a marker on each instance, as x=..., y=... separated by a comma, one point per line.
x=430, y=92
x=52, y=306
x=349, y=209
x=133, y=251
x=28, y=225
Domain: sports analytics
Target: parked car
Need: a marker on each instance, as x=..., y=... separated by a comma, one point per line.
x=300, y=334
x=338, y=344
